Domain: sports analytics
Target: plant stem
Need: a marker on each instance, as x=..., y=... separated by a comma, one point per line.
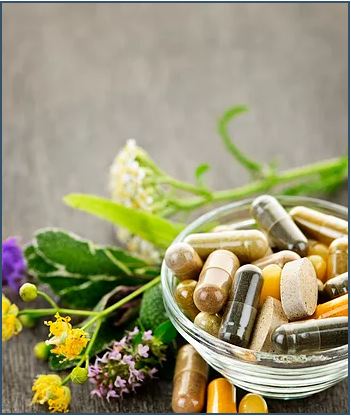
x=51, y=311
x=184, y=186
x=91, y=342
x=48, y=299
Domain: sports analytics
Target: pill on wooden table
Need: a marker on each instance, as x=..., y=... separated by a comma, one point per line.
x=270, y=316
x=338, y=257
x=298, y=289
x=248, y=245
x=280, y=258
x=320, y=266
x=271, y=282
x=337, y=286
x=184, y=261
x=318, y=249
x=221, y=396
x=322, y=227
x=274, y=219
x=208, y=322
x=184, y=297
x=189, y=382
x=335, y=307
x=253, y=403
x=212, y=290
x=311, y=335
x=240, y=313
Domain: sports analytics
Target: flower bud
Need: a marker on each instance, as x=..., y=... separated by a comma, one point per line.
x=79, y=375
x=41, y=350
x=27, y=321
x=28, y=292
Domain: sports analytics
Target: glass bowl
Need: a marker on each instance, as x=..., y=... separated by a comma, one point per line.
x=271, y=375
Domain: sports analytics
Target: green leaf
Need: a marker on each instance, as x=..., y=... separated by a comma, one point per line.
x=200, y=171
x=166, y=332
x=150, y=227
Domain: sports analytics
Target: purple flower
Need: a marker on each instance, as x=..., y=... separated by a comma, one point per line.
x=14, y=265
x=147, y=335
x=143, y=350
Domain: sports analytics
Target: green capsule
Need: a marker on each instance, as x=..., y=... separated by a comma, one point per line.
x=184, y=297
x=311, y=335
x=282, y=231
x=337, y=286
x=209, y=323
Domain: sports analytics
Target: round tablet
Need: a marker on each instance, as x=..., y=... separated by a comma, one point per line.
x=298, y=289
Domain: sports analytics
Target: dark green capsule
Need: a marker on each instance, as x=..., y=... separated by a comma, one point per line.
x=337, y=286
x=240, y=313
x=311, y=335
x=282, y=231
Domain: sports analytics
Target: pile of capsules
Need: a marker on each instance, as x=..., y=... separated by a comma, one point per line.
x=268, y=289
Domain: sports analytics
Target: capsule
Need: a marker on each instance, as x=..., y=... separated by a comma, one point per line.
x=337, y=286
x=338, y=257
x=209, y=323
x=271, y=282
x=280, y=259
x=184, y=297
x=189, y=382
x=315, y=248
x=184, y=261
x=253, y=403
x=248, y=245
x=322, y=227
x=221, y=397
x=212, y=290
x=320, y=266
x=311, y=335
x=335, y=307
x=281, y=229
x=240, y=313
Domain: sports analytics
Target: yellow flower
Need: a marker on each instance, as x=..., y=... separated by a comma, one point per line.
x=48, y=389
x=69, y=342
x=11, y=325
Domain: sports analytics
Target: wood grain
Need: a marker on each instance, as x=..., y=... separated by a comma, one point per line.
x=79, y=79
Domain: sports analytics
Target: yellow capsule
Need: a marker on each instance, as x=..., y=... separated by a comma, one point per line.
x=253, y=403
x=315, y=248
x=183, y=260
x=184, y=296
x=209, y=323
x=320, y=267
x=189, y=382
x=271, y=282
x=324, y=228
x=221, y=397
x=338, y=257
x=333, y=308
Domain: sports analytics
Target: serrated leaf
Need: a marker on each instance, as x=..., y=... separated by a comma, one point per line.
x=166, y=332
x=150, y=227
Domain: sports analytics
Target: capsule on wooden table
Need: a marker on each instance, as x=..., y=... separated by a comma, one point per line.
x=208, y=322
x=280, y=259
x=338, y=257
x=221, y=396
x=212, y=290
x=274, y=219
x=184, y=261
x=189, y=382
x=247, y=245
x=322, y=227
x=184, y=297
x=271, y=282
x=253, y=403
x=335, y=307
x=337, y=286
x=311, y=335
x=316, y=248
x=240, y=313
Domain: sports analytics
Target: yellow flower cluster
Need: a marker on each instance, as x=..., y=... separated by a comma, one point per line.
x=11, y=325
x=48, y=389
x=69, y=342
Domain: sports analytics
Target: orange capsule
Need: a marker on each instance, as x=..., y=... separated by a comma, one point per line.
x=271, y=282
x=253, y=403
x=315, y=248
x=335, y=307
x=221, y=397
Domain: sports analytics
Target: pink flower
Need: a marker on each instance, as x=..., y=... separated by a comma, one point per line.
x=143, y=350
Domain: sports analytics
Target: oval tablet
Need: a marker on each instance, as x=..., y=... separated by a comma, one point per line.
x=298, y=289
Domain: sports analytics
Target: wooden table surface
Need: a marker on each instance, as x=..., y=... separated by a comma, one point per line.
x=81, y=79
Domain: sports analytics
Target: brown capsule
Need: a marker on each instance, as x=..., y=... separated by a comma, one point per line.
x=337, y=286
x=184, y=297
x=212, y=290
x=184, y=261
x=247, y=245
x=189, y=382
x=322, y=227
x=279, y=258
x=209, y=323
x=338, y=257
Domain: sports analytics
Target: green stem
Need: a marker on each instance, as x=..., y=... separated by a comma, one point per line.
x=48, y=299
x=92, y=341
x=184, y=186
x=123, y=301
x=51, y=311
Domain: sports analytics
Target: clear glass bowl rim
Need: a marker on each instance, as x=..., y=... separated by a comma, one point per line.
x=222, y=347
